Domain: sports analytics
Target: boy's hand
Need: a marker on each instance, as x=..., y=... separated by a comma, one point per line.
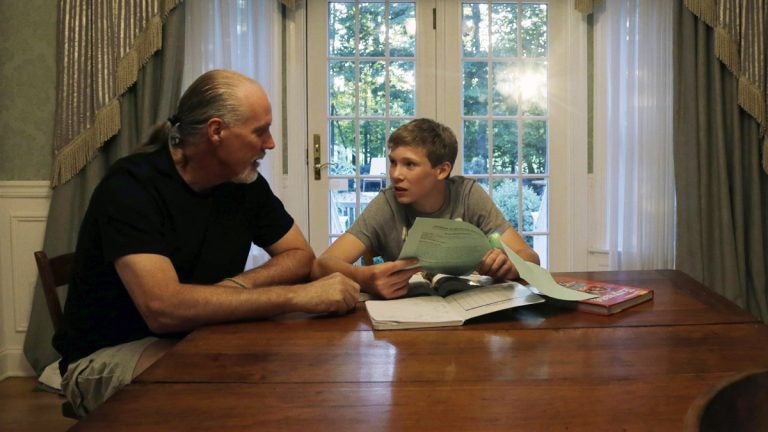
x=390, y=279
x=496, y=264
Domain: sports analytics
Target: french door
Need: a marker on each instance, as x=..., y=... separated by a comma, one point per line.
x=481, y=67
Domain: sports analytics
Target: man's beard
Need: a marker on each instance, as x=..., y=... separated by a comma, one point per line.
x=249, y=175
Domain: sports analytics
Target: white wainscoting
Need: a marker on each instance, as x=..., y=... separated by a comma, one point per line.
x=23, y=216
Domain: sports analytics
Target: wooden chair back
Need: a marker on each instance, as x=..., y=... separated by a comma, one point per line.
x=54, y=273
x=737, y=404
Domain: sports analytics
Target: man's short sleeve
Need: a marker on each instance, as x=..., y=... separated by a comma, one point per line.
x=129, y=218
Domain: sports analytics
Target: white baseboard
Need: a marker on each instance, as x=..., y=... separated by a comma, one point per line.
x=14, y=364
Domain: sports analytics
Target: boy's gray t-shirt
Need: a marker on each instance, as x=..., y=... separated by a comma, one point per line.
x=383, y=224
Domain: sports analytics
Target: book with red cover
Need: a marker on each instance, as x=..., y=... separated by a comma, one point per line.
x=612, y=298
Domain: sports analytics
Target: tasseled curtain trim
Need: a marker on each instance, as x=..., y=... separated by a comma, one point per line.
x=102, y=47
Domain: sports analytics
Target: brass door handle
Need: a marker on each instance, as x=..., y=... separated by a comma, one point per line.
x=316, y=156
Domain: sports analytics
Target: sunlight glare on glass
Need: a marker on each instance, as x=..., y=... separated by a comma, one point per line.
x=531, y=84
x=410, y=26
x=507, y=83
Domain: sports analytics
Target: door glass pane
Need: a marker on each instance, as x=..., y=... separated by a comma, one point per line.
x=505, y=193
x=475, y=154
x=372, y=29
x=341, y=29
x=342, y=147
x=402, y=88
x=534, y=147
x=475, y=79
x=505, y=146
x=504, y=29
x=504, y=99
x=341, y=88
x=372, y=88
x=506, y=88
x=402, y=30
x=372, y=146
x=371, y=91
x=534, y=29
x=475, y=25
x=343, y=208
x=533, y=88
x=534, y=194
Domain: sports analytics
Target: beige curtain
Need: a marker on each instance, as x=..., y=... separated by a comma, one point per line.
x=101, y=47
x=741, y=40
x=150, y=100
x=722, y=193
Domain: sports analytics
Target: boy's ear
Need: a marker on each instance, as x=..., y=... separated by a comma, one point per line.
x=443, y=170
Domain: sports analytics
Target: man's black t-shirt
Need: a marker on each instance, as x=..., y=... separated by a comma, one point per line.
x=144, y=206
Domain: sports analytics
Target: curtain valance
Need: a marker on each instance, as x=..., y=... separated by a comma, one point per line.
x=586, y=6
x=101, y=47
x=741, y=39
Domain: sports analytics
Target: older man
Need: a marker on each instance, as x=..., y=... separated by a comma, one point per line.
x=163, y=244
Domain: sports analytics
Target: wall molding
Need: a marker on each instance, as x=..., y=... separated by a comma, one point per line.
x=23, y=218
x=21, y=279
x=25, y=189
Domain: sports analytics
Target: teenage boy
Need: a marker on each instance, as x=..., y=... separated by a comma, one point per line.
x=421, y=156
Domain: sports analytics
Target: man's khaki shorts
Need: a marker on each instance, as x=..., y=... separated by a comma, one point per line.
x=93, y=379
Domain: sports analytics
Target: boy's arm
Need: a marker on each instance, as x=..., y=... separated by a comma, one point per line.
x=496, y=263
x=290, y=260
x=387, y=280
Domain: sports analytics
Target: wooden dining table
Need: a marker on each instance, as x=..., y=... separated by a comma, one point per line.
x=541, y=367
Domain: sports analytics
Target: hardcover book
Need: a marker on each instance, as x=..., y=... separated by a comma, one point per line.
x=611, y=298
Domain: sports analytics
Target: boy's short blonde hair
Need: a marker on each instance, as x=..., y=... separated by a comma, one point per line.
x=436, y=139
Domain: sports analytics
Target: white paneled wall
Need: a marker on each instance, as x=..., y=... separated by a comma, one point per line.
x=23, y=216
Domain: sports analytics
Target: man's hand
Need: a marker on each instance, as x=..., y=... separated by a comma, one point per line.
x=333, y=293
x=390, y=279
x=496, y=264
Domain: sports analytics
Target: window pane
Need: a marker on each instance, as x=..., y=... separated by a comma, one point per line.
x=402, y=88
x=372, y=29
x=402, y=30
x=371, y=188
x=372, y=142
x=342, y=147
x=534, y=30
x=505, y=193
x=504, y=30
x=533, y=88
x=373, y=96
x=341, y=88
x=475, y=26
x=540, y=243
x=475, y=88
x=342, y=208
x=341, y=29
x=535, y=205
x=534, y=147
x=396, y=123
x=505, y=88
x=504, y=146
x=475, y=147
